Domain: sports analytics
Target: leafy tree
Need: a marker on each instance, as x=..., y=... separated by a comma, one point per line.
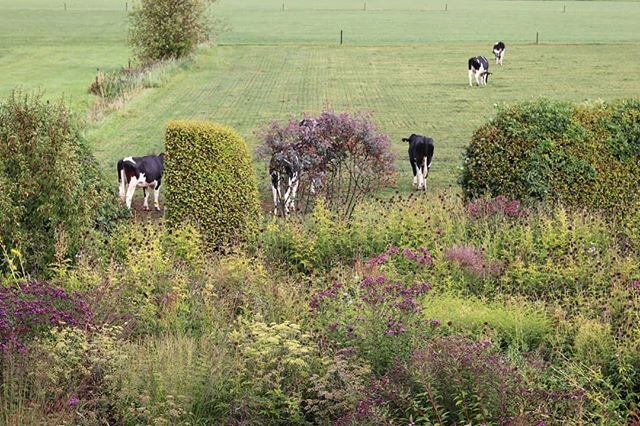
x=162, y=29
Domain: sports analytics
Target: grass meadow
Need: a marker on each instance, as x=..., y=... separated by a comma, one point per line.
x=404, y=61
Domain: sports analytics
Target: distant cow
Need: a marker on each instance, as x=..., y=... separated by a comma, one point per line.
x=284, y=170
x=498, y=51
x=479, y=67
x=140, y=172
x=420, y=156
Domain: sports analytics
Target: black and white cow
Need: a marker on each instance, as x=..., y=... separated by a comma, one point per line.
x=284, y=170
x=140, y=172
x=479, y=67
x=498, y=51
x=420, y=156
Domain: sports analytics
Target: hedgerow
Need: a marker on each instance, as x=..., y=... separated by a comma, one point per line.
x=210, y=182
x=583, y=155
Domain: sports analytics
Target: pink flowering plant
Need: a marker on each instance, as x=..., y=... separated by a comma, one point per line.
x=380, y=315
x=29, y=309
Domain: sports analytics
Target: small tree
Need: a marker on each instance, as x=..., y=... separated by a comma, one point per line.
x=162, y=29
x=344, y=158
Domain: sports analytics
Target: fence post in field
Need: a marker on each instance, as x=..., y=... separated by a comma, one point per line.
x=126, y=6
x=564, y=9
x=364, y=7
x=65, y=6
x=340, y=37
x=283, y=6
x=446, y=6
x=536, y=37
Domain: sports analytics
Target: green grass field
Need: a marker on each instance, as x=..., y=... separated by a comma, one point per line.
x=405, y=61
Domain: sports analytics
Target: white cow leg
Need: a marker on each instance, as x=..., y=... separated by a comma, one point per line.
x=156, y=197
x=123, y=182
x=145, y=204
x=420, y=179
x=131, y=190
x=415, y=181
x=293, y=193
x=471, y=78
x=274, y=192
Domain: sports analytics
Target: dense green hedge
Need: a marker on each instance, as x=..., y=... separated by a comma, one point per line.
x=52, y=192
x=585, y=155
x=210, y=182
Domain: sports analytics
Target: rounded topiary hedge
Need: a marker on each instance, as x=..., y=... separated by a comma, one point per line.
x=585, y=155
x=210, y=182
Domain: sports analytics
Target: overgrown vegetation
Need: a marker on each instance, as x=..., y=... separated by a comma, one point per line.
x=442, y=315
x=52, y=191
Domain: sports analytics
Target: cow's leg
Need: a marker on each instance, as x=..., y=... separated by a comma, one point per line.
x=287, y=195
x=420, y=176
x=274, y=192
x=145, y=204
x=477, y=81
x=133, y=183
x=156, y=196
x=123, y=182
x=412, y=161
x=425, y=173
x=471, y=77
x=293, y=192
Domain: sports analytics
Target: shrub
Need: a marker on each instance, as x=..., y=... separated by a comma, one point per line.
x=164, y=29
x=210, y=182
x=343, y=155
x=582, y=155
x=52, y=190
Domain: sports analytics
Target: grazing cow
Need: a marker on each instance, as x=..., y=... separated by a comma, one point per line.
x=284, y=169
x=498, y=50
x=479, y=67
x=134, y=172
x=420, y=156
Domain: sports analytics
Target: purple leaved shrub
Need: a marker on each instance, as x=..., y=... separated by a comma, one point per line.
x=31, y=308
x=344, y=157
x=472, y=261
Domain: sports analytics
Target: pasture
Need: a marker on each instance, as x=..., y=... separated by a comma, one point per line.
x=405, y=62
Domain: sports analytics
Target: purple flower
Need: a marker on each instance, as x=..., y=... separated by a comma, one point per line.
x=73, y=401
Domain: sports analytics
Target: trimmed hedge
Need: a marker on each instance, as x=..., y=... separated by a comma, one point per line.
x=585, y=155
x=210, y=182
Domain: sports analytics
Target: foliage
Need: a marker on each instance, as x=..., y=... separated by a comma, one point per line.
x=279, y=362
x=583, y=155
x=167, y=29
x=64, y=377
x=210, y=183
x=30, y=309
x=52, y=190
x=380, y=316
x=343, y=156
